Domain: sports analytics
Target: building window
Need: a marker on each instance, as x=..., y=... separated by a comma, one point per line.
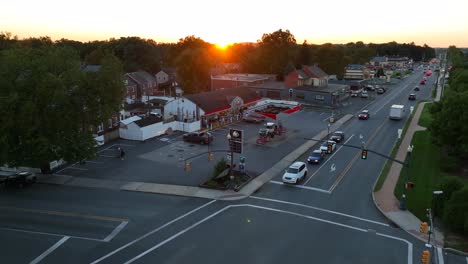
x=319, y=97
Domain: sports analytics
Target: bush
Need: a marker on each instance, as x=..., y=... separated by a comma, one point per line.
x=449, y=185
x=219, y=167
x=456, y=211
x=449, y=163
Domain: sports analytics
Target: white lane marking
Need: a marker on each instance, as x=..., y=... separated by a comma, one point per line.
x=319, y=209
x=305, y=183
x=440, y=256
x=410, y=251
x=152, y=232
x=48, y=234
x=301, y=187
x=50, y=250
x=410, y=245
x=116, y=231
x=75, y=168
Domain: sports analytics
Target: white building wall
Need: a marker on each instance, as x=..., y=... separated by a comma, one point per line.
x=180, y=106
x=131, y=132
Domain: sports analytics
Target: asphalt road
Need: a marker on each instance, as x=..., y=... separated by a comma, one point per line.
x=329, y=218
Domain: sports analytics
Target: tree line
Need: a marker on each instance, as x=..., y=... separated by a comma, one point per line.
x=273, y=53
x=50, y=105
x=449, y=130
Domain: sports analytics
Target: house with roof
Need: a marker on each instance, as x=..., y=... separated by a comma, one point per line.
x=356, y=72
x=146, y=84
x=379, y=62
x=166, y=76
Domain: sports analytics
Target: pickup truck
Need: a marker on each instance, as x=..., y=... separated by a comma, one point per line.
x=18, y=179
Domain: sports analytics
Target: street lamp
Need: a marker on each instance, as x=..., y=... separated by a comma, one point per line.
x=403, y=196
x=430, y=215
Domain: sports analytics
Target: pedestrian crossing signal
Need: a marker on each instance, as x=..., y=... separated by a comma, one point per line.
x=187, y=167
x=211, y=156
x=364, y=154
x=423, y=227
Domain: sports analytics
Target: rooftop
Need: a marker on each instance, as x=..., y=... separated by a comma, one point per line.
x=244, y=77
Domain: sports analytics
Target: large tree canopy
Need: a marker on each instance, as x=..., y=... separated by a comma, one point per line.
x=49, y=104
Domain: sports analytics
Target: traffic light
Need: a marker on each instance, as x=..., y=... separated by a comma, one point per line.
x=423, y=227
x=425, y=258
x=364, y=154
x=211, y=156
x=187, y=167
x=329, y=149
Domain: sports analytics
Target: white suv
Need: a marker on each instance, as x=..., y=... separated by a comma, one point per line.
x=295, y=173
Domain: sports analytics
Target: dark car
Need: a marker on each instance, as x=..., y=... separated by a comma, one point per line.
x=337, y=136
x=412, y=97
x=252, y=119
x=370, y=88
x=416, y=88
x=364, y=115
x=380, y=90
x=315, y=157
x=18, y=179
x=198, y=137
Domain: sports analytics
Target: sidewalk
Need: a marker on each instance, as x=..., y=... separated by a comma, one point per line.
x=192, y=191
x=386, y=201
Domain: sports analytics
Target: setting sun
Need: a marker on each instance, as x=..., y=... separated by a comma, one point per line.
x=222, y=46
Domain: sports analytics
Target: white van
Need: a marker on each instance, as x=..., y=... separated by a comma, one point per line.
x=397, y=112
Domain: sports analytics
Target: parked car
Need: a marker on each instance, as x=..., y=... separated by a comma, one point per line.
x=295, y=173
x=380, y=90
x=324, y=146
x=315, y=157
x=252, y=119
x=17, y=179
x=412, y=97
x=338, y=136
x=364, y=94
x=198, y=137
x=422, y=82
x=364, y=115
x=370, y=88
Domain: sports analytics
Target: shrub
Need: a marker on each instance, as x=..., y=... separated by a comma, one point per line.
x=449, y=163
x=448, y=186
x=219, y=167
x=456, y=211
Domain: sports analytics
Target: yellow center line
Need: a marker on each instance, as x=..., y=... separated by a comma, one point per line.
x=67, y=214
x=351, y=163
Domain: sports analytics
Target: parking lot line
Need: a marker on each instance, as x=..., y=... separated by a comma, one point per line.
x=50, y=250
x=96, y=162
x=108, y=156
x=323, y=164
x=49, y=234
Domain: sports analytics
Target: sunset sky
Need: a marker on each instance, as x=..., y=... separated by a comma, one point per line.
x=436, y=23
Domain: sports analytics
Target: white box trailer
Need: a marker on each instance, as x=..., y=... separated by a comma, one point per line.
x=397, y=112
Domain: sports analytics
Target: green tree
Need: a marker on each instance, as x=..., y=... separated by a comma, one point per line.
x=276, y=50
x=50, y=105
x=448, y=128
x=456, y=211
x=449, y=185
